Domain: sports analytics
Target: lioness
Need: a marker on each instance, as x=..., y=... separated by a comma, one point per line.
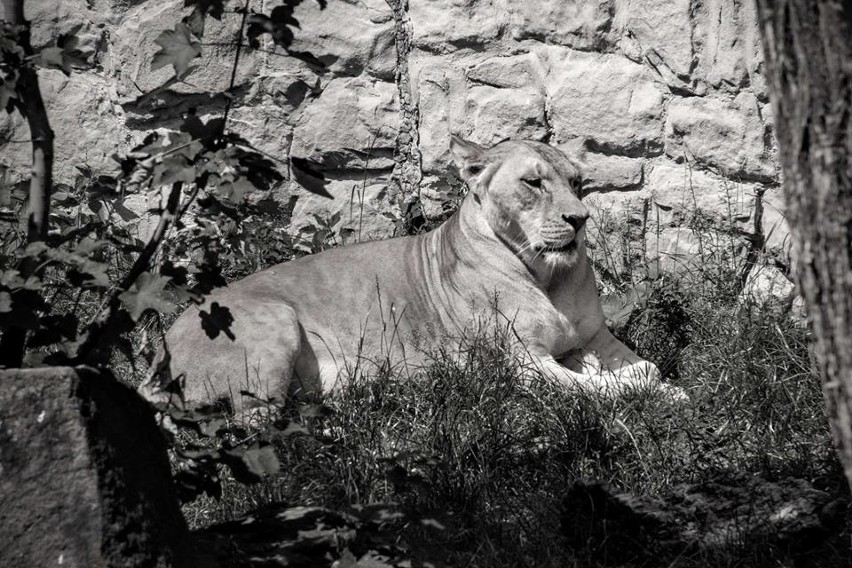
x=518, y=237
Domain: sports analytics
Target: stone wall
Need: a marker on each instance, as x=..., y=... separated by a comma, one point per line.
x=665, y=98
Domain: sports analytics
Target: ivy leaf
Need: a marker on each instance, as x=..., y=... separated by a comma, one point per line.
x=172, y=169
x=204, y=132
x=234, y=190
x=250, y=465
x=147, y=293
x=177, y=48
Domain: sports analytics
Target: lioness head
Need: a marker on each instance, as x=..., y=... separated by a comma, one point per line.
x=529, y=193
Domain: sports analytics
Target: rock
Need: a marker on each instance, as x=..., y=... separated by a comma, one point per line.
x=729, y=137
x=679, y=192
x=87, y=123
x=664, y=28
x=609, y=173
x=775, y=226
x=610, y=101
x=350, y=37
x=513, y=72
x=580, y=25
x=768, y=286
x=442, y=26
x=84, y=476
x=495, y=114
x=441, y=91
x=730, y=55
x=352, y=126
x=630, y=82
x=673, y=249
x=133, y=48
x=359, y=204
x=350, y=133
x=703, y=521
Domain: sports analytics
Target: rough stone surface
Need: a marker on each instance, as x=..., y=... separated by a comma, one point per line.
x=611, y=173
x=768, y=286
x=728, y=137
x=643, y=88
x=84, y=477
x=580, y=25
x=679, y=191
x=610, y=101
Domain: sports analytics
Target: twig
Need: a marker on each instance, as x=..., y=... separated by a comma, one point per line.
x=229, y=98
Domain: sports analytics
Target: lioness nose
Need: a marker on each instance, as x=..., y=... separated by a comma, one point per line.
x=576, y=221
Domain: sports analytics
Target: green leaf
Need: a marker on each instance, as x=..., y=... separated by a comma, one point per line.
x=177, y=48
x=147, y=293
x=5, y=302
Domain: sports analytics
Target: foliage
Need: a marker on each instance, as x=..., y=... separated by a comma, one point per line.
x=201, y=170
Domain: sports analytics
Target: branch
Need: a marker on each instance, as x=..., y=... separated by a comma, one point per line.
x=108, y=317
x=30, y=104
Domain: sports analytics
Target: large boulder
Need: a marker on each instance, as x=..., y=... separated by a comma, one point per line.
x=84, y=476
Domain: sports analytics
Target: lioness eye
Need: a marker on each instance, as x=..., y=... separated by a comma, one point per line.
x=533, y=182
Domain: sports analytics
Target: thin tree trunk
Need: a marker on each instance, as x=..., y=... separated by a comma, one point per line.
x=808, y=51
x=31, y=105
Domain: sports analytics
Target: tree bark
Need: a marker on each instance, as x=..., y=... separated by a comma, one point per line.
x=808, y=50
x=29, y=102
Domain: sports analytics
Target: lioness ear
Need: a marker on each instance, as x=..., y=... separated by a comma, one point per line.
x=468, y=157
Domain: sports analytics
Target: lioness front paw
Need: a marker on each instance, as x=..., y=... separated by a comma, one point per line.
x=645, y=374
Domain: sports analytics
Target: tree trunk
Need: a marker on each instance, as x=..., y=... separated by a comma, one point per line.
x=808, y=51
x=31, y=106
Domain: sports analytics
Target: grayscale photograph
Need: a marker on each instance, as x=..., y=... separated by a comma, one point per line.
x=425, y=283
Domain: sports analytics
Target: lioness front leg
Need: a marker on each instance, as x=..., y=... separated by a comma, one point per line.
x=596, y=381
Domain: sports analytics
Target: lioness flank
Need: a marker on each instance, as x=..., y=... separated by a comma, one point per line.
x=517, y=241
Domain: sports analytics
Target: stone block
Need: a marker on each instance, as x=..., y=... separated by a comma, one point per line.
x=84, y=476
x=443, y=26
x=727, y=136
x=495, y=114
x=580, y=25
x=608, y=173
x=607, y=99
